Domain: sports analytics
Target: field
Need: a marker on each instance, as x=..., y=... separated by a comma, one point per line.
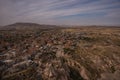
x=60, y=53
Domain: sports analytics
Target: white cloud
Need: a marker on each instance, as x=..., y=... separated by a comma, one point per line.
x=21, y=10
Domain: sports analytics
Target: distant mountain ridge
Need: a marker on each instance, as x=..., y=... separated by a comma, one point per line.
x=19, y=26
x=31, y=26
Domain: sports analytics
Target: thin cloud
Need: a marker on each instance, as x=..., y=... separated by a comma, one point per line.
x=54, y=10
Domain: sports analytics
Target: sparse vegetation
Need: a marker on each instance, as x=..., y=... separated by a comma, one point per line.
x=85, y=53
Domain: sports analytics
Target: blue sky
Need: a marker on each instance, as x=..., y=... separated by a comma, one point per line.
x=61, y=12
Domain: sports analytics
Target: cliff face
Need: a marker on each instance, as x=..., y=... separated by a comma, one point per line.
x=60, y=54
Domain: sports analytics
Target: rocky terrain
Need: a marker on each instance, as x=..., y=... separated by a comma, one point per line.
x=84, y=53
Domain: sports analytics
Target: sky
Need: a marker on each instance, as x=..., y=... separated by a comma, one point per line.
x=61, y=12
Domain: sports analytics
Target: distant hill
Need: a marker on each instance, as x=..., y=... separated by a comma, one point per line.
x=22, y=26
x=31, y=26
